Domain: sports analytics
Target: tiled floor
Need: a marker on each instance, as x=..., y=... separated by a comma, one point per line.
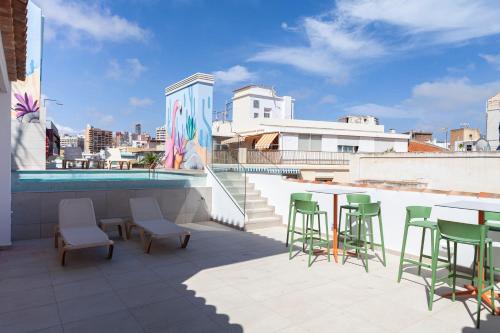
x=225, y=281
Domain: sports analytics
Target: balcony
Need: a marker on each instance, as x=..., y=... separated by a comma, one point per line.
x=280, y=157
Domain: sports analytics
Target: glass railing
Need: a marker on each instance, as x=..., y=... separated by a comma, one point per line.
x=231, y=174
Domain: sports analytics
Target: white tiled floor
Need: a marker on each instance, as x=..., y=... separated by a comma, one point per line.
x=225, y=281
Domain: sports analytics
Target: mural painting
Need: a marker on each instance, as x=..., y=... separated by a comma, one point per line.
x=26, y=94
x=188, y=126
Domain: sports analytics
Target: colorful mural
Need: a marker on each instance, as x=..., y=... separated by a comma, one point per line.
x=188, y=125
x=26, y=94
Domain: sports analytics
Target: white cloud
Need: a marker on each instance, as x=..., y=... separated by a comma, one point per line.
x=328, y=99
x=233, y=75
x=286, y=27
x=493, y=59
x=67, y=130
x=76, y=19
x=446, y=102
x=128, y=70
x=357, y=31
x=444, y=21
x=140, y=102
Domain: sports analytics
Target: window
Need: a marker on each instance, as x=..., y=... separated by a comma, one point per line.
x=308, y=142
x=347, y=149
x=256, y=104
x=256, y=115
x=267, y=112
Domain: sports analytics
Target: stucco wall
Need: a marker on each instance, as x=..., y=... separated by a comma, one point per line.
x=5, y=195
x=472, y=171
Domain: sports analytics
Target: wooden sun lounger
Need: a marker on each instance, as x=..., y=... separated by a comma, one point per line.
x=147, y=216
x=78, y=228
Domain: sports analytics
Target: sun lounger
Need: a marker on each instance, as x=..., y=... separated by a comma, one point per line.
x=74, y=154
x=116, y=157
x=147, y=216
x=78, y=228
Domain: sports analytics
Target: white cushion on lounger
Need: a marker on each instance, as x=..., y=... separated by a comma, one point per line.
x=145, y=209
x=88, y=236
x=161, y=227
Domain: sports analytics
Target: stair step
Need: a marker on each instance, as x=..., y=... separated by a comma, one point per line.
x=260, y=212
x=255, y=203
x=260, y=223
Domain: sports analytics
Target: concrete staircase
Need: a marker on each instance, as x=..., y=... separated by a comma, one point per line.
x=259, y=213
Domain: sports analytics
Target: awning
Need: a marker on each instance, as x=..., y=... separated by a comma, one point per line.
x=265, y=140
x=235, y=139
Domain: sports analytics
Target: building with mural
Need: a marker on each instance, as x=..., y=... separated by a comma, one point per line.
x=27, y=110
x=189, y=105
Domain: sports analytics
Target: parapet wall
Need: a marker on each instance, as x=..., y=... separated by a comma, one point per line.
x=467, y=171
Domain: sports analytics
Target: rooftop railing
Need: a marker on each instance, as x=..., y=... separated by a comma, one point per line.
x=296, y=157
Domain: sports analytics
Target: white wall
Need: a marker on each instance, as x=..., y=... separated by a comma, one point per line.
x=5, y=195
x=28, y=145
x=459, y=171
x=278, y=190
x=224, y=208
x=289, y=141
x=329, y=143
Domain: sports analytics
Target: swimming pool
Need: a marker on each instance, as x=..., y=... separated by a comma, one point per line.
x=80, y=180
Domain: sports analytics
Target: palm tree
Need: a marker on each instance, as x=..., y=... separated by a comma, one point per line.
x=148, y=159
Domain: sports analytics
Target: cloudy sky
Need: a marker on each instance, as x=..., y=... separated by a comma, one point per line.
x=419, y=64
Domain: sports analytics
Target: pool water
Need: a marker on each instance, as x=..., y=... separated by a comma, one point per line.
x=71, y=180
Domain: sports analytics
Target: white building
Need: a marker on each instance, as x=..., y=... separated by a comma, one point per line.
x=493, y=122
x=161, y=133
x=268, y=120
x=259, y=102
x=72, y=141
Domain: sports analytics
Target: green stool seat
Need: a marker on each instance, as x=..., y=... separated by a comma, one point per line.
x=310, y=236
x=364, y=215
x=468, y=234
x=291, y=210
x=353, y=201
x=418, y=216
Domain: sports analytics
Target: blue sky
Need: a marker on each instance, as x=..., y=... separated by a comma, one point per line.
x=421, y=65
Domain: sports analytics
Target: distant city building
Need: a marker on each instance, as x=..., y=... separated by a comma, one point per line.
x=161, y=133
x=97, y=139
x=463, y=139
x=257, y=102
x=369, y=120
x=143, y=137
x=137, y=129
x=493, y=122
x=72, y=141
x=420, y=136
x=262, y=121
x=52, y=140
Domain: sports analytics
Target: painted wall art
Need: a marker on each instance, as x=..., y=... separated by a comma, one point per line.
x=26, y=94
x=188, y=126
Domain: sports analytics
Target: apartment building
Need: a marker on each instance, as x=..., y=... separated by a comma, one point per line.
x=97, y=139
x=493, y=122
x=464, y=139
x=161, y=133
x=72, y=141
x=268, y=122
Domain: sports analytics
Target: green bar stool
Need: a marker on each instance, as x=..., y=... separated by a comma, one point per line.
x=418, y=216
x=353, y=200
x=492, y=220
x=364, y=215
x=291, y=210
x=468, y=234
x=309, y=211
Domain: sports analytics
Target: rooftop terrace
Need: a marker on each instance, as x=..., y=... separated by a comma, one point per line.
x=225, y=281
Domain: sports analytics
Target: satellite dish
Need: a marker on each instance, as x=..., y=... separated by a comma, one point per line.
x=482, y=145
